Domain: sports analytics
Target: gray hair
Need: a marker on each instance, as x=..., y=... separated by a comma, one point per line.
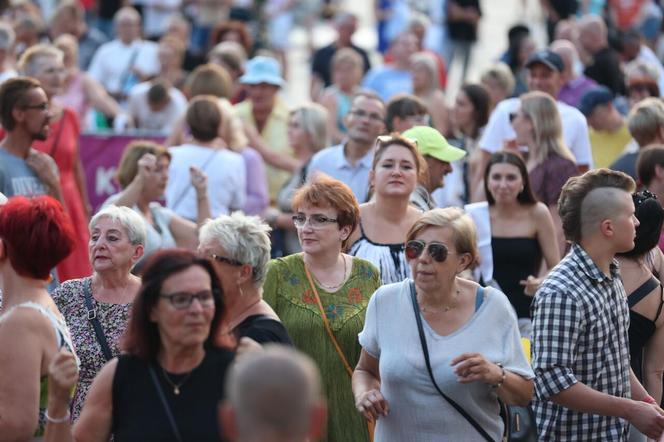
x=280, y=404
x=28, y=64
x=7, y=36
x=245, y=238
x=131, y=221
x=312, y=117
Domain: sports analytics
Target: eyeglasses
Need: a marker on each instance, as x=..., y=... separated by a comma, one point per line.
x=437, y=250
x=363, y=114
x=182, y=300
x=42, y=107
x=316, y=221
x=231, y=261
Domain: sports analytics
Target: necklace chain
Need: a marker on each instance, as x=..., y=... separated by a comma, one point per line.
x=445, y=308
x=333, y=287
x=176, y=387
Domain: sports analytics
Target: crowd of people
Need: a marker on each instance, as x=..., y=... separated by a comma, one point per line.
x=378, y=263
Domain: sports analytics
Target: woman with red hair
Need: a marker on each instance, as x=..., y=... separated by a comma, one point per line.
x=35, y=235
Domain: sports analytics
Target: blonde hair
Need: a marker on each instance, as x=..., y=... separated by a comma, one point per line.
x=347, y=55
x=27, y=64
x=429, y=62
x=542, y=111
x=312, y=117
x=645, y=120
x=461, y=224
x=502, y=75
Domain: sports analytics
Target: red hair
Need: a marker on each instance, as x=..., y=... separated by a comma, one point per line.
x=37, y=234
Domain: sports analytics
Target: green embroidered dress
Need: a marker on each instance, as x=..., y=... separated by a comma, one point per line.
x=288, y=291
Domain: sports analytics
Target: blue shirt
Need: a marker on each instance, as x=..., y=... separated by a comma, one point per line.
x=332, y=161
x=387, y=81
x=16, y=178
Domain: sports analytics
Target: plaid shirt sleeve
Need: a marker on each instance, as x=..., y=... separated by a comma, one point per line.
x=557, y=323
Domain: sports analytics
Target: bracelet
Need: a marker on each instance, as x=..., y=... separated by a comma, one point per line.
x=59, y=420
x=502, y=377
x=649, y=400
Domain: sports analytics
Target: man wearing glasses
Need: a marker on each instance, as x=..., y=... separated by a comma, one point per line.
x=350, y=162
x=25, y=117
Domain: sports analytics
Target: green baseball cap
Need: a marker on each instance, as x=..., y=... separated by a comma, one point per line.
x=431, y=142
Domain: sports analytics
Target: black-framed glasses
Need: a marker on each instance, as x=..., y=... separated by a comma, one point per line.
x=437, y=250
x=316, y=221
x=42, y=107
x=231, y=261
x=183, y=300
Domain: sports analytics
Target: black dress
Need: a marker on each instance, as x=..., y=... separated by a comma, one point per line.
x=139, y=414
x=641, y=328
x=514, y=259
x=263, y=330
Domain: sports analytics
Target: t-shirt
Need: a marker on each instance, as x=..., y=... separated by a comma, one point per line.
x=387, y=81
x=321, y=64
x=626, y=163
x=607, y=146
x=227, y=190
x=148, y=119
x=605, y=70
x=17, y=178
x=417, y=412
x=575, y=130
x=460, y=29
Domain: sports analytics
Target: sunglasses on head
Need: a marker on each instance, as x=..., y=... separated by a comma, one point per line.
x=437, y=250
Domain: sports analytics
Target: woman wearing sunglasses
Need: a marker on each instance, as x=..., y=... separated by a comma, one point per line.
x=471, y=335
x=521, y=232
x=385, y=219
x=167, y=384
x=321, y=296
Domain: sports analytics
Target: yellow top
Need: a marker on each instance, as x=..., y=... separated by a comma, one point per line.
x=608, y=146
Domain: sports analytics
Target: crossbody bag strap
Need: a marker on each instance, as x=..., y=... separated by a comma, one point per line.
x=184, y=191
x=425, y=350
x=167, y=408
x=96, y=325
x=326, y=323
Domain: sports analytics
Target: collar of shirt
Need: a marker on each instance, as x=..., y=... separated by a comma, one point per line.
x=588, y=266
x=342, y=163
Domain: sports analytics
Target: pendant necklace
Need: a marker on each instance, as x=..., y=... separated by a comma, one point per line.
x=176, y=386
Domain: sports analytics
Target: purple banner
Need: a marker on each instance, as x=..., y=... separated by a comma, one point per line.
x=100, y=155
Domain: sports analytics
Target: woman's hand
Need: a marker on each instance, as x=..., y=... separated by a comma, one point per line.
x=62, y=376
x=531, y=285
x=198, y=180
x=371, y=404
x=147, y=164
x=472, y=367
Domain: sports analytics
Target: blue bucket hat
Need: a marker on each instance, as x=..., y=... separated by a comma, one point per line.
x=263, y=70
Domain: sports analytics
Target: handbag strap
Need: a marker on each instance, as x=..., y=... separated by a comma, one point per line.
x=326, y=323
x=184, y=191
x=167, y=408
x=56, y=140
x=425, y=350
x=96, y=325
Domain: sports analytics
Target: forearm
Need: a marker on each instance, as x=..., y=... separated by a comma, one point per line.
x=203, y=212
x=515, y=390
x=580, y=397
x=131, y=194
x=58, y=432
x=363, y=381
x=638, y=392
x=82, y=186
x=653, y=384
x=55, y=191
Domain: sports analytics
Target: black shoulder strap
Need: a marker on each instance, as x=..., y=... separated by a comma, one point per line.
x=425, y=350
x=642, y=291
x=92, y=317
x=167, y=408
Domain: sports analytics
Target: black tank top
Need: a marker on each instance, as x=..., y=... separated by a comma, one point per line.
x=138, y=414
x=513, y=260
x=641, y=328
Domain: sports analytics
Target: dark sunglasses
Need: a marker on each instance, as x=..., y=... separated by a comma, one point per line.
x=438, y=251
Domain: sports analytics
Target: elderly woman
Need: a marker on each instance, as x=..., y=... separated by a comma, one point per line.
x=385, y=220
x=96, y=308
x=31, y=327
x=321, y=295
x=239, y=247
x=307, y=134
x=143, y=174
x=454, y=316
x=170, y=366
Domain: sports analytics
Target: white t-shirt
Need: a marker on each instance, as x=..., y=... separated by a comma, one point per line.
x=227, y=189
x=147, y=119
x=575, y=130
x=112, y=60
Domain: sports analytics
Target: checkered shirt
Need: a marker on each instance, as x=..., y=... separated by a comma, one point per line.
x=580, y=334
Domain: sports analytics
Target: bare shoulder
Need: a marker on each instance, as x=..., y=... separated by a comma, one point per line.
x=540, y=211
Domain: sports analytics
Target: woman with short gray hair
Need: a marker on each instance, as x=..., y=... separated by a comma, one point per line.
x=239, y=247
x=96, y=308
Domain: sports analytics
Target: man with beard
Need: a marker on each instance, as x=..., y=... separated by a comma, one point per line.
x=25, y=116
x=350, y=162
